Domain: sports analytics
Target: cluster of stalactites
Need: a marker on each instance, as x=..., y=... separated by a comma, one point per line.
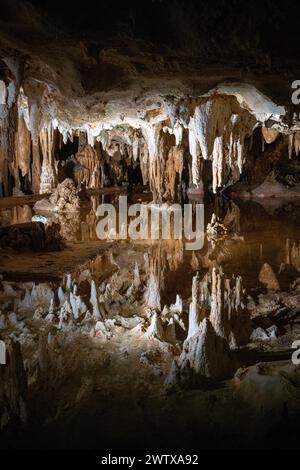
x=217, y=131
x=165, y=255
x=128, y=144
x=214, y=128
x=217, y=325
x=166, y=158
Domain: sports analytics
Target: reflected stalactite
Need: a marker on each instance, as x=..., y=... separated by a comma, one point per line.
x=163, y=256
x=222, y=300
x=218, y=324
x=295, y=256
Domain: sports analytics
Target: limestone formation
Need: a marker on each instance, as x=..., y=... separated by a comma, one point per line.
x=66, y=198
x=205, y=357
x=188, y=109
x=268, y=278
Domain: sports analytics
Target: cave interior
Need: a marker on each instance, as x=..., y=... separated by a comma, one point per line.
x=121, y=342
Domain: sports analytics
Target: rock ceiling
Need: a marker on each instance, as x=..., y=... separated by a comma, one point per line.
x=105, y=80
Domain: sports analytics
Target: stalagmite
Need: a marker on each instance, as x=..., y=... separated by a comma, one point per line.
x=94, y=301
x=155, y=329
x=177, y=307
x=216, y=313
x=79, y=308
x=64, y=314
x=137, y=280
x=152, y=293
x=61, y=296
x=194, y=320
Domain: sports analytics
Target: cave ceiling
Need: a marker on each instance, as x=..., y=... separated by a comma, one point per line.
x=104, y=61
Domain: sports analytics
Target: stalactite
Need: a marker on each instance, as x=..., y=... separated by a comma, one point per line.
x=22, y=147
x=205, y=357
x=48, y=170
x=8, y=125
x=194, y=311
x=219, y=127
x=89, y=172
x=165, y=163
x=36, y=167
x=173, y=172
x=222, y=300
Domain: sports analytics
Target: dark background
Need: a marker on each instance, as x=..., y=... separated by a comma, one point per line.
x=187, y=26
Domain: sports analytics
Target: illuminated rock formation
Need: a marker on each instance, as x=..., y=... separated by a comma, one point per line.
x=66, y=198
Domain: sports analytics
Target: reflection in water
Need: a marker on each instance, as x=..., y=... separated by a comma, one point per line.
x=147, y=315
x=255, y=234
